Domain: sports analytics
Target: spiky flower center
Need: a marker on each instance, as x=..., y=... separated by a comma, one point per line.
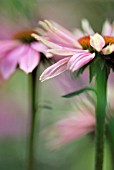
x=85, y=41
x=25, y=36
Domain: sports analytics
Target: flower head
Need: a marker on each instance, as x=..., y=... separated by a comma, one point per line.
x=22, y=50
x=78, y=52
x=74, y=126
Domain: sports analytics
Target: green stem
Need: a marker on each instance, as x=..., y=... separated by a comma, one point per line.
x=101, y=87
x=32, y=118
x=110, y=135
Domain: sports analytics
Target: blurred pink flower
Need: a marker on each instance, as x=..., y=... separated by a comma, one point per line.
x=68, y=129
x=79, y=122
x=76, y=53
x=22, y=50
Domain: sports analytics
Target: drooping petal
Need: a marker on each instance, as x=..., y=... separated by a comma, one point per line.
x=97, y=42
x=59, y=29
x=9, y=62
x=7, y=45
x=39, y=47
x=65, y=35
x=83, y=62
x=86, y=27
x=74, y=59
x=46, y=42
x=112, y=33
x=107, y=28
x=55, y=69
x=58, y=34
x=78, y=34
x=79, y=60
x=64, y=51
x=29, y=60
x=108, y=49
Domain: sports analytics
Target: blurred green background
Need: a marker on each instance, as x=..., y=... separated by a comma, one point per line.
x=16, y=15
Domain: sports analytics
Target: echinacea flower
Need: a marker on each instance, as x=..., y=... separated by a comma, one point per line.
x=74, y=126
x=76, y=53
x=22, y=50
x=79, y=122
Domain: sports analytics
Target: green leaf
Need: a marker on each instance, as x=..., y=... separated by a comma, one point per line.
x=79, y=92
x=97, y=62
x=81, y=70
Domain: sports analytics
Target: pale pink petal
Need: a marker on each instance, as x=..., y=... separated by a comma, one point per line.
x=97, y=42
x=50, y=26
x=66, y=36
x=83, y=62
x=46, y=42
x=78, y=34
x=64, y=51
x=107, y=28
x=74, y=59
x=58, y=34
x=67, y=33
x=112, y=33
x=108, y=49
x=7, y=45
x=62, y=42
x=86, y=27
x=39, y=47
x=9, y=62
x=55, y=69
x=29, y=60
x=79, y=60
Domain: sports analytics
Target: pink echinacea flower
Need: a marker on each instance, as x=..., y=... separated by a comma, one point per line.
x=22, y=50
x=74, y=126
x=76, y=53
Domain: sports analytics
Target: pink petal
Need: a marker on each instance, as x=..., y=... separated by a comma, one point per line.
x=66, y=35
x=86, y=27
x=112, y=33
x=9, y=62
x=46, y=42
x=62, y=42
x=74, y=59
x=39, y=47
x=55, y=69
x=79, y=54
x=7, y=45
x=79, y=60
x=78, y=33
x=58, y=34
x=29, y=60
x=64, y=51
x=107, y=28
x=97, y=42
x=61, y=29
x=108, y=49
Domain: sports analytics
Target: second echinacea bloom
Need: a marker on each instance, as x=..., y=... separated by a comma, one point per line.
x=76, y=53
x=22, y=50
x=93, y=50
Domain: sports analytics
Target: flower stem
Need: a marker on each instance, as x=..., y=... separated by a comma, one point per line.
x=110, y=135
x=32, y=118
x=101, y=87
